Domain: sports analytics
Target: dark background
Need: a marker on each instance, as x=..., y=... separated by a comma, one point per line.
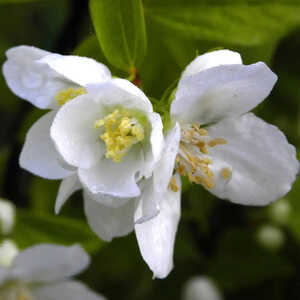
x=215, y=238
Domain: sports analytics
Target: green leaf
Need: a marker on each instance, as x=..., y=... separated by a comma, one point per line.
x=33, y=228
x=120, y=28
x=232, y=22
x=252, y=28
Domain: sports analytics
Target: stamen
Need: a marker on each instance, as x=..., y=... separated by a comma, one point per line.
x=201, y=131
x=217, y=141
x=226, y=173
x=65, y=96
x=192, y=161
x=173, y=184
x=121, y=132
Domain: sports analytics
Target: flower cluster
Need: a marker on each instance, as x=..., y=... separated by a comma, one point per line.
x=103, y=136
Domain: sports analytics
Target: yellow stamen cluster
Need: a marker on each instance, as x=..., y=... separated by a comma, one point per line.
x=121, y=132
x=64, y=96
x=192, y=160
x=173, y=185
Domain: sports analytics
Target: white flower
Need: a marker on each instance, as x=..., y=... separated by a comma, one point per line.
x=111, y=138
x=7, y=216
x=8, y=251
x=201, y=288
x=43, y=272
x=231, y=152
x=154, y=215
x=236, y=155
x=48, y=81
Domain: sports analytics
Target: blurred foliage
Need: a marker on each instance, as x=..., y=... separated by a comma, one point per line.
x=215, y=237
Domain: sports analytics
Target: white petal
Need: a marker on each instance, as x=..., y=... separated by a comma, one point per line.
x=66, y=290
x=201, y=288
x=156, y=237
x=153, y=150
x=68, y=186
x=117, y=179
x=73, y=132
x=120, y=92
x=39, y=155
x=26, y=52
x=148, y=202
x=30, y=79
x=46, y=262
x=221, y=92
x=263, y=163
x=212, y=59
x=81, y=70
x=109, y=222
x=165, y=167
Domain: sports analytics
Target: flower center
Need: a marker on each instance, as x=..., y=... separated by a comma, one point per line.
x=66, y=95
x=15, y=291
x=121, y=132
x=193, y=158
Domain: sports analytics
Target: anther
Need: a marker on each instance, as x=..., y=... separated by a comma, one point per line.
x=217, y=141
x=173, y=184
x=226, y=173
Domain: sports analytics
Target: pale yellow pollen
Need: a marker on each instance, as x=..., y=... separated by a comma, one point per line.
x=181, y=170
x=121, y=131
x=191, y=161
x=226, y=173
x=66, y=95
x=217, y=141
x=173, y=184
x=201, y=131
x=209, y=183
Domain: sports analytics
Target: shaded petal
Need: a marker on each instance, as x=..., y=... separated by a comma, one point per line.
x=153, y=150
x=221, y=92
x=120, y=92
x=148, y=205
x=165, y=167
x=66, y=290
x=81, y=70
x=108, y=200
x=156, y=237
x=210, y=60
x=109, y=222
x=67, y=187
x=31, y=80
x=263, y=163
x=46, y=263
x=117, y=179
x=39, y=155
x=74, y=134
x=148, y=202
